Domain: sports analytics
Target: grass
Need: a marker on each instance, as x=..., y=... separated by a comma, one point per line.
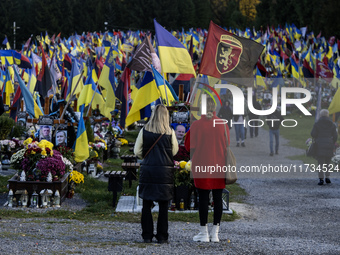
x=3, y=184
x=99, y=199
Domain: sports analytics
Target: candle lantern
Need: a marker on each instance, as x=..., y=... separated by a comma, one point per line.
x=44, y=198
x=10, y=198
x=34, y=203
x=24, y=198
x=18, y=199
x=56, y=202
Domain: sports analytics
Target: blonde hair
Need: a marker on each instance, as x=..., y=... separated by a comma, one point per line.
x=211, y=107
x=159, y=121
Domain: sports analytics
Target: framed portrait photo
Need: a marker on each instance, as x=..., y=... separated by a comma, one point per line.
x=45, y=133
x=61, y=138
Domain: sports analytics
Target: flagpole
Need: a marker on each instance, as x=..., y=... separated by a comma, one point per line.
x=88, y=109
x=70, y=100
x=166, y=92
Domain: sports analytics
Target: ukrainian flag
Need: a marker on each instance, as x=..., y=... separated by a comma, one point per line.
x=8, y=87
x=31, y=106
x=295, y=68
x=146, y=94
x=170, y=93
x=173, y=55
x=81, y=148
x=107, y=79
x=259, y=79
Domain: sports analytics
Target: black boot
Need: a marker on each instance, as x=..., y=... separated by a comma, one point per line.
x=320, y=182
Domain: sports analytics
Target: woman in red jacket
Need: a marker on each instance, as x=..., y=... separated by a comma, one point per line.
x=208, y=149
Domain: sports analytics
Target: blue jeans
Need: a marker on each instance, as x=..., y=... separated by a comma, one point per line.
x=272, y=134
x=239, y=129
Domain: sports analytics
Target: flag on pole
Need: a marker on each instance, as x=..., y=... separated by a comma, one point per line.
x=122, y=93
x=31, y=106
x=229, y=57
x=335, y=104
x=142, y=58
x=160, y=84
x=81, y=148
x=146, y=94
x=174, y=57
x=44, y=81
x=107, y=80
x=323, y=71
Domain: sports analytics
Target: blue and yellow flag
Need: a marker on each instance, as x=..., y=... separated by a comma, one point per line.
x=107, y=79
x=259, y=79
x=170, y=93
x=81, y=148
x=174, y=57
x=147, y=93
x=74, y=77
x=31, y=106
x=295, y=69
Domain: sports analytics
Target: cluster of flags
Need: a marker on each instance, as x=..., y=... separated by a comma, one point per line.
x=96, y=68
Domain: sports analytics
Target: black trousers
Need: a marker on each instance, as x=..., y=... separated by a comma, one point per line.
x=203, y=205
x=162, y=222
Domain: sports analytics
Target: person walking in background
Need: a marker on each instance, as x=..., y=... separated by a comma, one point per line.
x=253, y=126
x=156, y=144
x=239, y=123
x=208, y=148
x=274, y=122
x=225, y=112
x=325, y=135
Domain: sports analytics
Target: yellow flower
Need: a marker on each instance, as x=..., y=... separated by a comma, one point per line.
x=28, y=141
x=76, y=177
x=182, y=164
x=188, y=166
x=32, y=152
x=43, y=152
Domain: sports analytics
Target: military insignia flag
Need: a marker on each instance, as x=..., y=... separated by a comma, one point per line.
x=323, y=71
x=229, y=57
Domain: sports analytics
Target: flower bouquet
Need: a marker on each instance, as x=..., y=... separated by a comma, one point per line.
x=38, y=159
x=183, y=174
x=7, y=145
x=75, y=178
x=98, y=147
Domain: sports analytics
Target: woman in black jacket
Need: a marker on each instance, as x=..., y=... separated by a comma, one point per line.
x=325, y=135
x=156, y=179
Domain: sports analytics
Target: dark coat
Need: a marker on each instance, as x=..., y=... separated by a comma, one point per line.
x=274, y=125
x=225, y=113
x=325, y=135
x=257, y=106
x=156, y=180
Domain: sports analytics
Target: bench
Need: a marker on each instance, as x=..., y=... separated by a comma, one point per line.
x=131, y=169
x=115, y=183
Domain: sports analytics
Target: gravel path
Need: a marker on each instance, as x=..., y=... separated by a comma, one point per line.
x=285, y=213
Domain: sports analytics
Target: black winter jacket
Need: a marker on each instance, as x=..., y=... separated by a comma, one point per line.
x=325, y=135
x=156, y=180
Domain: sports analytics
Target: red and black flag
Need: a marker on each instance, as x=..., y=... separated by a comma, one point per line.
x=122, y=93
x=229, y=57
x=67, y=63
x=323, y=71
x=308, y=72
x=44, y=81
